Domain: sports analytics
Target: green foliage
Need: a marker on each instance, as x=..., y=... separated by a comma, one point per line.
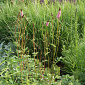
x=31, y=58
x=33, y=72
x=75, y=59
x=10, y=73
x=10, y=11
x=69, y=80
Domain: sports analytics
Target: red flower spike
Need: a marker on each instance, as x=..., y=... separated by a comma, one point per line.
x=12, y=2
x=19, y=0
x=47, y=23
x=21, y=12
x=59, y=13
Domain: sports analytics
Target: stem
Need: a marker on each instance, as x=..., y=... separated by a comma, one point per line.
x=76, y=35
x=84, y=32
x=21, y=50
x=34, y=48
x=44, y=53
x=57, y=42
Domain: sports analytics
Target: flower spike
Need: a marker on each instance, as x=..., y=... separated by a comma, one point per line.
x=59, y=13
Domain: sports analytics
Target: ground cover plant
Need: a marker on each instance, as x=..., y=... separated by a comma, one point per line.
x=42, y=43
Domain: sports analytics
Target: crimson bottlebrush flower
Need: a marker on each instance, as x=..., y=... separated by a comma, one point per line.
x=47, y=23
x=59, y=13
x=21, y=13
x=12, y=2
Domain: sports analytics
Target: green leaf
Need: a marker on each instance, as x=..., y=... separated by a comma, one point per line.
x=47, y=53
x=2, y=62
x=53, y=45
x=35, y=53
x=19, y=60
x=3, y=70
x=11, y=81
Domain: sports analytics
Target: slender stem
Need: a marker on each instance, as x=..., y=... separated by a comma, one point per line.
x=44, y=55
x=84, y=32
x=58, y=36
x=21, y=48
x=24, y=43
x=76, y=38
x=57, y=39
x=40, y=66
x=34, y=48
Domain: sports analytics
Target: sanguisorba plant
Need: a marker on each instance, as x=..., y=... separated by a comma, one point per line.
x=21, y=36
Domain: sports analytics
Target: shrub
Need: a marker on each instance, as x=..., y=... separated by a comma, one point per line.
x=74, y=60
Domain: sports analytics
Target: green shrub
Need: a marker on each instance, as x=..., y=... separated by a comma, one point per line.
x=74, y=60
